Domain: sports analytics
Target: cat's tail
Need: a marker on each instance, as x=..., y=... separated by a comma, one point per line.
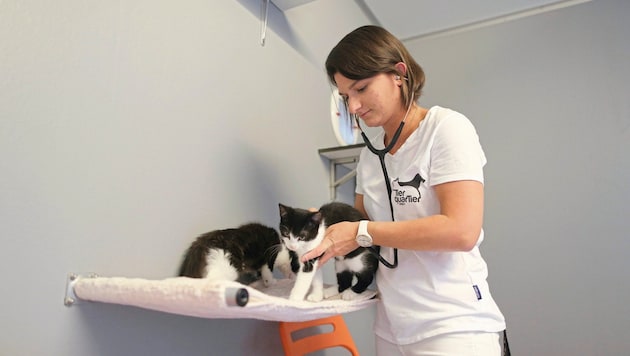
x=194, y=263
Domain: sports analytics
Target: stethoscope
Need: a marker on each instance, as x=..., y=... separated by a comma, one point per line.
x=381, y=156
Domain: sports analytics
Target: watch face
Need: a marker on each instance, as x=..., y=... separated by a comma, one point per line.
x=364, y=240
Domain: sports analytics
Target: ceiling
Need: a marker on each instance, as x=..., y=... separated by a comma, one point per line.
x=409, y=19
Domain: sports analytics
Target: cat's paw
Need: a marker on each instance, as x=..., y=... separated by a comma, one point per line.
x=315, y=297
x=349, y=294
x=331, y=291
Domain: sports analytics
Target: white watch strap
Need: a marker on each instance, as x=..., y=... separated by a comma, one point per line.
x=363, y=224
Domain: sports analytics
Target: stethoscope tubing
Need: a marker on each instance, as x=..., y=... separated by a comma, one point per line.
x=381, y=156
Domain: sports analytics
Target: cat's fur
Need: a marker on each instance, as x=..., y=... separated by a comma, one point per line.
x=244, y=254
x=302, y=230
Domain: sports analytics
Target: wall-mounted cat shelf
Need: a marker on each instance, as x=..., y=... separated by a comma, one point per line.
x=208, y=299
x=346, y=156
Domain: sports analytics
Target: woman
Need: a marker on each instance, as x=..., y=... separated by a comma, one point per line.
x=421, y=185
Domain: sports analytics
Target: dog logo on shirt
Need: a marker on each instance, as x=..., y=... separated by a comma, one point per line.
x=401, y=195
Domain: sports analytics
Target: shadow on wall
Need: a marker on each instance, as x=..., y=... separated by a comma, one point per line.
x=111, y=330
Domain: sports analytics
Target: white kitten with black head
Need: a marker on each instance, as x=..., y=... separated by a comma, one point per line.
x=302, y=230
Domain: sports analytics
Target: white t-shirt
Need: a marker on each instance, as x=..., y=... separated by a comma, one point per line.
x=429, y=293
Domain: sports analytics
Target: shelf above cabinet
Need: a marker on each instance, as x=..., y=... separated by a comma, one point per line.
x=348, y=153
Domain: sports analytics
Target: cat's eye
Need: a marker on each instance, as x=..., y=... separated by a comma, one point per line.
x=284, y=231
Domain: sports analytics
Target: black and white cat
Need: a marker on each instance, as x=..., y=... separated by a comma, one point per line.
x=244, y=254
x=302, y=230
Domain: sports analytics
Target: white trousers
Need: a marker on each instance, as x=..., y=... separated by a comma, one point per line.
x=460, y=344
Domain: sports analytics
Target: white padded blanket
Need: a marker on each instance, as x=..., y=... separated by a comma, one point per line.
x=213, y=299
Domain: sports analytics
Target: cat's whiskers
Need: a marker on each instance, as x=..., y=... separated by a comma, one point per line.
x=275, y=249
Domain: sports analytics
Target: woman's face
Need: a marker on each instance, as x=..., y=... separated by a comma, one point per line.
x=375, y=100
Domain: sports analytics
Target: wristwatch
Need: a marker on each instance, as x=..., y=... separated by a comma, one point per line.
x=363, y=237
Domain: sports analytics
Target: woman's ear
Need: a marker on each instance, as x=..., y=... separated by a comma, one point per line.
x=401, y=67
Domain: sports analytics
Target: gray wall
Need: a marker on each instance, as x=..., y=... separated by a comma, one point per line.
x=549, y=97
x=127, y=129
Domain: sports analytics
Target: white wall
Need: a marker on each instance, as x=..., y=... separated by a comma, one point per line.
x=128, y=128
x=549, y=97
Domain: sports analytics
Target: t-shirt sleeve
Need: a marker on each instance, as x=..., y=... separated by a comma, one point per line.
x=359, y=177
x=456, y=153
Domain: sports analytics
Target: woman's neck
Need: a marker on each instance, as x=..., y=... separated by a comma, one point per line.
x=412, y=120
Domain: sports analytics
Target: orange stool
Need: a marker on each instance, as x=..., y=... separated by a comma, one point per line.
x=338, y=337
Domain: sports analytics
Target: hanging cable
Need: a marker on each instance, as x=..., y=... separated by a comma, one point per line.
x=264, y=11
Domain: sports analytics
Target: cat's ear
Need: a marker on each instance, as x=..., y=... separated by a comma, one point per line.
x=316, y=218
x=284, y=210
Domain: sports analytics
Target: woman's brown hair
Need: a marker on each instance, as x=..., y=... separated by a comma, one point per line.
x=371, y=50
